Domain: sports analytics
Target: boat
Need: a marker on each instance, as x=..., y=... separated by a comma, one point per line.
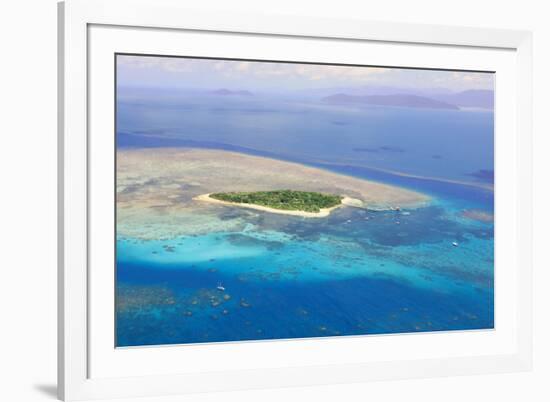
x=455, y=244
x=220, y=287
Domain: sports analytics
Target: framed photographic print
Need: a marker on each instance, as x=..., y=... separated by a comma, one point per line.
x=262, y=201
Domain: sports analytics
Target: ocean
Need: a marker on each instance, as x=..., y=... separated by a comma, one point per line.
x=357, y=272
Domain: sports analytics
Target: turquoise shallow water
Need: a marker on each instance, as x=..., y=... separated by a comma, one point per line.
x=356, y=272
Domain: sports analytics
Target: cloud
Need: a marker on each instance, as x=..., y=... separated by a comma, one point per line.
x=273, y=74
x=169, y=64
x=253, y=68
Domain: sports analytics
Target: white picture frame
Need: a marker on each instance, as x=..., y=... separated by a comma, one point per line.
x=77, y=378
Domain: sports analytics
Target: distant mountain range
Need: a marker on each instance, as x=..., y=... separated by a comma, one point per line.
x=364, y=90
x=454, y=101
x=479, y=98
x=403, y=100
x=228, y=92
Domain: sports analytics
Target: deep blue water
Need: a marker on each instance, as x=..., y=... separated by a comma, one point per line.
x=445, y=144
x=357, y=272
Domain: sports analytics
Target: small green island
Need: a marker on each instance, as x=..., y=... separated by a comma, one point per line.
x=286, y=200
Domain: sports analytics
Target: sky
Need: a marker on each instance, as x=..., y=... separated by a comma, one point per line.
x=193, y=73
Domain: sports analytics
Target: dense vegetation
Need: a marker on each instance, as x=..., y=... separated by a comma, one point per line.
x=289, y=200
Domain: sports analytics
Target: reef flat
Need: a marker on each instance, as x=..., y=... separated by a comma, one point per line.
x=157, y=189
x=477, y=215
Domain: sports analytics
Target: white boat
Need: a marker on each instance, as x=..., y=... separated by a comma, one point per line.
x=455, y=244
x=220, y=287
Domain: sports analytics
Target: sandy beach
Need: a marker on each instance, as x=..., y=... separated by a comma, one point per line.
x=324, y=212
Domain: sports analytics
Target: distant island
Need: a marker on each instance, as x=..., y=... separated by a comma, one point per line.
x=228, y=92
x=402, y=100
x=307, y=204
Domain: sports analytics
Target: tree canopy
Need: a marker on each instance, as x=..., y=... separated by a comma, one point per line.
x=290, y=200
